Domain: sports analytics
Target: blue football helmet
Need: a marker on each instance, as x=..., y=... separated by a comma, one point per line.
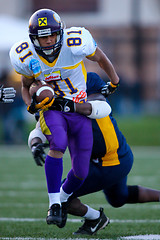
x=43, y=23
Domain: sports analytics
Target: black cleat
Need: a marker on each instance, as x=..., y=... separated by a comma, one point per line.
x=54, y=215
x=64, y=215
x=90, y=227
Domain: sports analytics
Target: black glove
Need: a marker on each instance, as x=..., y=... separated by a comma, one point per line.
x=63, y=105
x=38, y=152
x=32, y=108
x=7, y=94
x=109, y=88
x=36, y=115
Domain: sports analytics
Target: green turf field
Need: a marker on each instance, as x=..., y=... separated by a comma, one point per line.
x=24, y=200
x=140, y=130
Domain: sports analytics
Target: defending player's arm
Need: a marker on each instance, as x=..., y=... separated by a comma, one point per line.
x=97, y=107
x=37, y=144
x=37, y=141
x=107, y=66
x=7, y=95
x=93, y=108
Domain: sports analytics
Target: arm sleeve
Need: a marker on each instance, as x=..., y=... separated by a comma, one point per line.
x=37, y=132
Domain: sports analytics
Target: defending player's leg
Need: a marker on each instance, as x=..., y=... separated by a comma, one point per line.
x=94, y=220
x=139, y=194
x=90, y=227
x=117, y=194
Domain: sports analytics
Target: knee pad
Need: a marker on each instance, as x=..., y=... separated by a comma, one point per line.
x=116, y=203
x=133, y=192
x=117, y=199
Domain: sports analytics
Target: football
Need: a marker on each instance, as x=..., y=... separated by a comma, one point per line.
x=42, y=90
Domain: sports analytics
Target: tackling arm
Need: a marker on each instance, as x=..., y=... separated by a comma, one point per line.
x=37, y=144
x=93, y=109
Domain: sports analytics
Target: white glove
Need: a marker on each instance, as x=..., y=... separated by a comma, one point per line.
x=7, y=94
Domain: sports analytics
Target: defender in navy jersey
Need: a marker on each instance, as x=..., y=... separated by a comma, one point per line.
x=110, y=164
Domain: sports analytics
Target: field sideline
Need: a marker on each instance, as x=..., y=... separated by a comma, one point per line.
x=24, y=200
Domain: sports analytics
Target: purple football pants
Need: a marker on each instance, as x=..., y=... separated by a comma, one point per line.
x=75, y=131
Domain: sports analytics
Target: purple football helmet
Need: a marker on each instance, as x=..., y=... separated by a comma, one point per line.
x=43, y=23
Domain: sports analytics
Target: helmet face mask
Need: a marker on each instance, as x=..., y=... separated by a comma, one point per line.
x=42, y=23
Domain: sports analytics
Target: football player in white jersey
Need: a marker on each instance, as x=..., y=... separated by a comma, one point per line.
x=56, y=55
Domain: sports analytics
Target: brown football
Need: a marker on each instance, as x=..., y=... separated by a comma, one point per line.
x=42, y=90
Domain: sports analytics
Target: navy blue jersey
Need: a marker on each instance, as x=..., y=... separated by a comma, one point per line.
x=109, y=144
x=94, y=83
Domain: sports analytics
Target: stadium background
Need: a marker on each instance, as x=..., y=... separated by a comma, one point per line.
x=129, y=33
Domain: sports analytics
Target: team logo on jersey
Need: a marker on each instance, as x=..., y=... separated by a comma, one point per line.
x=42, y=22
x=53, y=76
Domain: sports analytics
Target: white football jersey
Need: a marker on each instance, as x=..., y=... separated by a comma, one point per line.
x=67, y=72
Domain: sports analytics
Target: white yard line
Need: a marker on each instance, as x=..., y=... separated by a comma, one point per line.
x=3, y=219
x=141, y=237
x=137, y=237
x=29, y=238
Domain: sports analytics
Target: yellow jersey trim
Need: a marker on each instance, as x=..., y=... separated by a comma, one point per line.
x=83, y=69
x=111, y=142
x=91, y=55
x=38, y=74
x=30, y=77
x=72, y=67
x=47, y=63
x=113, y=85
x=44, y=128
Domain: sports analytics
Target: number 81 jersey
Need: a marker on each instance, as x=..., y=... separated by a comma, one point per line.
x=67, y=72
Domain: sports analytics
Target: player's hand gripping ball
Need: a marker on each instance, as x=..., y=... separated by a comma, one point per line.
x=42, y=90
x=42, y=96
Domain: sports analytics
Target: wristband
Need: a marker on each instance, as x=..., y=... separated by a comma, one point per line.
x=114, y=85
